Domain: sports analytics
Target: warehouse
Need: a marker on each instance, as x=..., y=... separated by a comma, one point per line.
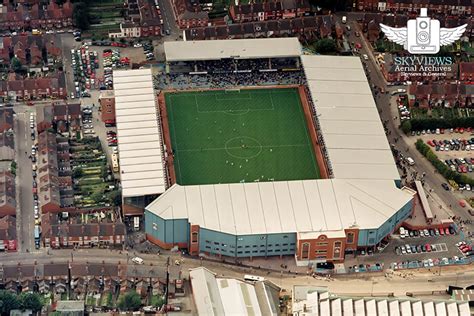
x=314, y=220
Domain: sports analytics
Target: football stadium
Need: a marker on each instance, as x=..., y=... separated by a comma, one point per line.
x=250, y=148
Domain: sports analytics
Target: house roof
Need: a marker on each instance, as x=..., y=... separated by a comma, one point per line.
x=6, y=117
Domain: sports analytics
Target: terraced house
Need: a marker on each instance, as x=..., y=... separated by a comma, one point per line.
x=35, y=14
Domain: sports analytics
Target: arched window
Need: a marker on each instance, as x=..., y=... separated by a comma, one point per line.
x=337, y=249
x=305, y=250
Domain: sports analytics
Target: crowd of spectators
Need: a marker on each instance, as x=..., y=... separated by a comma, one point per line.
x=232, y=65
x=184, y=81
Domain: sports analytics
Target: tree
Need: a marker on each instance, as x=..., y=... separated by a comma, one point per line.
x=157, y=301
x=8, y=301
x=325, y=46
x=81, y=15
x=16, y=64
x=115, y=197
x=406, y=127
x=32, y=301
x=97, y=196
x=131, y=301
x=77, y=173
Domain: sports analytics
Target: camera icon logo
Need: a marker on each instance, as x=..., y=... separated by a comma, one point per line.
x=423, y=35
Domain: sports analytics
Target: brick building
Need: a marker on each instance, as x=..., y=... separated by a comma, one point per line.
x=466, y=71
x=58, y=234
x=6, y=119
x=19, y=88
x=270, y=10
x=65, y=116
x=49, y=184
x=107, y=104
x=7, y=193
x=35, y=14
x=144, y=20
x=8, y=236
x=306, y=28
x=441, y=95
x=451, y=7
x=189, y=14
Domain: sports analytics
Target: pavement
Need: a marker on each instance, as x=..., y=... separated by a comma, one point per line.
x=25, y=209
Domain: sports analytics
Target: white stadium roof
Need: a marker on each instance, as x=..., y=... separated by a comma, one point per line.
x=350, y=124
x=236, y=48
x=138, y=131
x=305, y=206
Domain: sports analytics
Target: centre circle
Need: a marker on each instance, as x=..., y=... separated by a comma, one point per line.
x=243, y=147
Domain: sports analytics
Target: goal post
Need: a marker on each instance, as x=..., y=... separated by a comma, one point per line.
x=232, y=90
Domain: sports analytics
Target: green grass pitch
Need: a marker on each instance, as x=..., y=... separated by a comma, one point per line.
x=239, y=136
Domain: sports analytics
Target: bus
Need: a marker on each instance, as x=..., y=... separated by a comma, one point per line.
x=37, y=236
x=253, y=278
x=115, y=165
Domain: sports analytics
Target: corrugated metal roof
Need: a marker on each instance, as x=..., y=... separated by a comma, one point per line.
x=350, y=124
x=138, y=132
x=219, y=296
x=305, y=206
x=236, y=48
x=317, y=299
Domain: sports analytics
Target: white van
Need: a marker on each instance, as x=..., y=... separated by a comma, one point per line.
x=344, y=19
x=137, y=260
x=402, y=232
x=410, y=161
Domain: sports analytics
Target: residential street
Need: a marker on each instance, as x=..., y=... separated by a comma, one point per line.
x=25, y=209
x=424, y=281
x=167, y=14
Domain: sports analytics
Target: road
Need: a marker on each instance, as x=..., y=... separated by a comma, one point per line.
x=169, y=21
x=388, y=111
x=67, y=43
x=25, y=209
x=377, y=284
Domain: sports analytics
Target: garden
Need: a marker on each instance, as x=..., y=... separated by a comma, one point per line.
x=93, y=181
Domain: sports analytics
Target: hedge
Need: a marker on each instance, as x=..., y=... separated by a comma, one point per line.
x=440, y=166
x=434, y=123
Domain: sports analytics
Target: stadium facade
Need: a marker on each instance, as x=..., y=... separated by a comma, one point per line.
x=357, y=206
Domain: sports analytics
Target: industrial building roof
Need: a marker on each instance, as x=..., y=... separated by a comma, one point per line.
x=236, y=48
x=225, y=296
x=138, y=132
x=320, y=302
x=350, y=123
x=305, y=206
